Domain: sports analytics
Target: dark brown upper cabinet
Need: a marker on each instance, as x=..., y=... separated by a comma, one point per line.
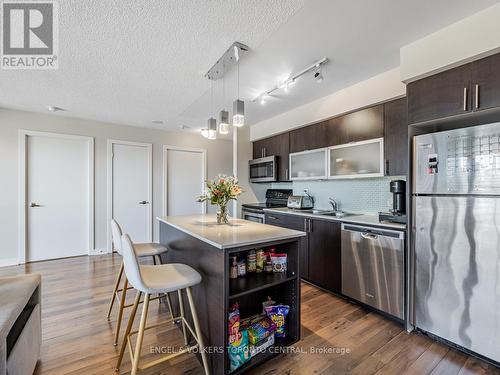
x=359, y=126
x=309, y=137
x=337, y=132
x=441, y=95
x=396, y=138
x=486, y=83
x=277, y=145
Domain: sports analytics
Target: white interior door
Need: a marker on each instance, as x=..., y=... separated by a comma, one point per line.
x=184, y=180
x=131, y=188
x=59, y=194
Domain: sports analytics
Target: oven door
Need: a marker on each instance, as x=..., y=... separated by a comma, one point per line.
x=256, y=216
x=263, y=169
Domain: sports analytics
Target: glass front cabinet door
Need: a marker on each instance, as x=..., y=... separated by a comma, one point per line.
x=309, y=165
x=357, y=159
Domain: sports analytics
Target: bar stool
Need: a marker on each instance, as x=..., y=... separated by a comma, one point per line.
x=149, y=280
x=143, y=250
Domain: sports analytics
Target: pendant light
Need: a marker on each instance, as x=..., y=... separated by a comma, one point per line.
x=238, y=105
x=211, y=131
x=224, y=122
x=223, y=115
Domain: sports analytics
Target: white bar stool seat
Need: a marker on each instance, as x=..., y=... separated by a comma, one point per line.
x=149, y=280
x=166, y=278
x=143, y=250
x=149, y=249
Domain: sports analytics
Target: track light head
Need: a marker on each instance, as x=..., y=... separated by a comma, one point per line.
x=318, y=76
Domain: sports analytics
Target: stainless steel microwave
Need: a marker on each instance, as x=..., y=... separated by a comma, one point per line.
x=263, y=169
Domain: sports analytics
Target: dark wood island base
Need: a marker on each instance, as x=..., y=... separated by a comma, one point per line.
x=217, y=292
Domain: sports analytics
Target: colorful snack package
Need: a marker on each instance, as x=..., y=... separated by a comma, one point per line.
x=260, y=329
x=238, y=350
x=279, y=262
x=261, y=346
x=278, y=315
x=238, y=340
x=234, y=321
x=268, y=302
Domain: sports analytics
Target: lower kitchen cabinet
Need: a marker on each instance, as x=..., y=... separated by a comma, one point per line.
x=320, y=252
x=325, y=254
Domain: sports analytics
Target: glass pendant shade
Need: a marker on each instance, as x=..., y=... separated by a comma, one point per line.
x=211, y=131
x=238, y=113
x=224, y=122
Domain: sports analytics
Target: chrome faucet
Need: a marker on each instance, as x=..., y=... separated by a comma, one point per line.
x=306, y=192
x=335, y=205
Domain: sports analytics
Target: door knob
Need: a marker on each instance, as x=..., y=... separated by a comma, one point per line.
x=143, y=202
x=34, y=205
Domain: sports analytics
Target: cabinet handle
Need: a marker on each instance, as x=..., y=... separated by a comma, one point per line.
x=310, y=226
x=272, y=217
x=465, y=98
x=264, y=150
x=305, y=225
x=286, y=174
x=476, y=99
x=387, y=166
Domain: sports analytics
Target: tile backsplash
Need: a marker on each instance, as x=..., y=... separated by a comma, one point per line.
x=364, y=195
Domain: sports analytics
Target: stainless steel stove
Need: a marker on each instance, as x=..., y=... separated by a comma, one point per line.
x=274, y=198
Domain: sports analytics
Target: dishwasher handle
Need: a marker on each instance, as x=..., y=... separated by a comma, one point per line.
x=369, y=236
x=373, y=233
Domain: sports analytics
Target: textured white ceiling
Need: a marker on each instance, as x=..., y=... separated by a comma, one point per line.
x=132, y=61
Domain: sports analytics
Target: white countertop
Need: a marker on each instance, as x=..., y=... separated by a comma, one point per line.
x=237, y=233
x=371, y=220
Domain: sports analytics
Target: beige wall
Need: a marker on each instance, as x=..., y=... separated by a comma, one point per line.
x=219, y=155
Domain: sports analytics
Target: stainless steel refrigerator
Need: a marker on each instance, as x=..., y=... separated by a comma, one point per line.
x=456, y=236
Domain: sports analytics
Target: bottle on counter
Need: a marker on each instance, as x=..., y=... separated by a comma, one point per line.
x=242, y=270
x=260, y=260
x=251, y=261
x=233, y=272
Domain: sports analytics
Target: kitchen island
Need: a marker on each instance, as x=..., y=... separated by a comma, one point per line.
x=201, y=243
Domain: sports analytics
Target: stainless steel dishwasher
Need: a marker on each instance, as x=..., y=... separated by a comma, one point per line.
x=373, y=267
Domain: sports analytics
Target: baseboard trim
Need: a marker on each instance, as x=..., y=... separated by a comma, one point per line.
x=9, y=262
x=98, y=252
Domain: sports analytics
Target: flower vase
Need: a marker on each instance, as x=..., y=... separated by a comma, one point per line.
x=222, y=215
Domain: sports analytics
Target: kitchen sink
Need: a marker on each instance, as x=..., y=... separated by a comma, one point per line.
x=316, y=211
x=338, y=214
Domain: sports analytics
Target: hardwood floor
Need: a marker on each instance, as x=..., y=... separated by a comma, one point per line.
x=77, y=337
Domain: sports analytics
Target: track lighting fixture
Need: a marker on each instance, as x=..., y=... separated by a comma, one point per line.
x=316, y=68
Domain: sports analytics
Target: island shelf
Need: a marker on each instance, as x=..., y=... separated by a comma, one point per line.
x=208, y=248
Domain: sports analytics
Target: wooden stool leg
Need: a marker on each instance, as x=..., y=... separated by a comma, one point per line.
x=140, y=335
x=181, y=313
x=129, y=328
x=197, y=329
x=117, y=285
x=169, y=303
x=120, y=311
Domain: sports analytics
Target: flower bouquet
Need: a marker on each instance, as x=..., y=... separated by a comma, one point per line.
x=220, y=191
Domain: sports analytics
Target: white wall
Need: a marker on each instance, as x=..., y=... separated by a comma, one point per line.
x=380, y=88
x=464, y=41
x=252, y=193
x=219, y=155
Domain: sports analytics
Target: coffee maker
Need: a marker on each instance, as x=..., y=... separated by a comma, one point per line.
x=398, y=212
